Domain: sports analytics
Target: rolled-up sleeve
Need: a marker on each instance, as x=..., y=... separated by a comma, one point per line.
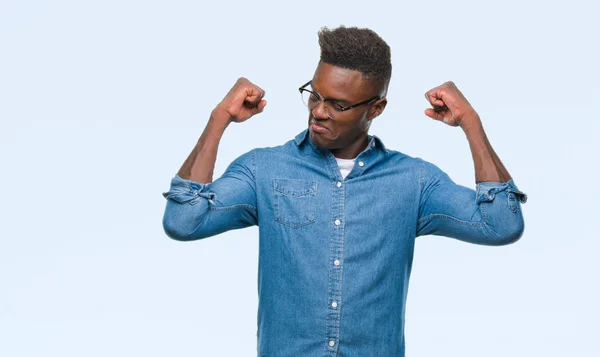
x=489, y=215
x=199, y=210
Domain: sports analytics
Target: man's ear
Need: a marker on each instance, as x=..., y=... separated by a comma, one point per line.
x=378, y=108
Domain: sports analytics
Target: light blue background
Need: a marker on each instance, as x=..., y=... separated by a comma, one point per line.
x=102, y=101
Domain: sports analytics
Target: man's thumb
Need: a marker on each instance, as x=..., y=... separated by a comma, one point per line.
x=259, y=107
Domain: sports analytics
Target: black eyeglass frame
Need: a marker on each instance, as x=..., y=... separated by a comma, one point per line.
x=339, y=107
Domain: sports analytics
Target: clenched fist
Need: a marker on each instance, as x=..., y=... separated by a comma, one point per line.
x=243, y=101
x=449, y=104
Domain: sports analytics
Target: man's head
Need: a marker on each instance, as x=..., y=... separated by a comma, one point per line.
x=355, y=66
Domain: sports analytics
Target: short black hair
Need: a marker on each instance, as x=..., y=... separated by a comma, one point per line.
x=359, y=49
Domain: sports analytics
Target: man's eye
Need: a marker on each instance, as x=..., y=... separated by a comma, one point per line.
x=336, y=106
x=313, y=98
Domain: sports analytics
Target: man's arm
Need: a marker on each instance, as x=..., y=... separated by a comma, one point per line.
x=200, y=163
x=197, y=207
x=451, y=107
x=242, y=102
x=491, y=215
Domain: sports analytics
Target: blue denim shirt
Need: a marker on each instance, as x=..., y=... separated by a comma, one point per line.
x=335, y=254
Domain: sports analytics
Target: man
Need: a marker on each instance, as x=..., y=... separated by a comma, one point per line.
x=338, y=212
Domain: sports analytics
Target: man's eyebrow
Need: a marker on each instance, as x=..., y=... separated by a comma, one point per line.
x=338, y=100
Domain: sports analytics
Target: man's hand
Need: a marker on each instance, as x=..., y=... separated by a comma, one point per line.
x=243, y=101
x=449, y=105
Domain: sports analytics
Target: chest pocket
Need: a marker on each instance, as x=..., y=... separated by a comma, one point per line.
x=295, y=202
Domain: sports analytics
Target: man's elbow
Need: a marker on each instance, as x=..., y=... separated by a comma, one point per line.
x=510, y=232
x=181, y=227
x=175, y=232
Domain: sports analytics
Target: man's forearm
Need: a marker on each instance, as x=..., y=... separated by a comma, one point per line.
x=199, y=165
x=488, y=167
x=243, y=101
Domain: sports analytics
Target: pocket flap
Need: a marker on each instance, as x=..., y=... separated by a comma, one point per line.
x=295, y=187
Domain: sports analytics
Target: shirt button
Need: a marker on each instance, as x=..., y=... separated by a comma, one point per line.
x=332, y=343
x=334, y=304
x=339, y=184
x=336, y=262
x=361, y=164
x=337, y=222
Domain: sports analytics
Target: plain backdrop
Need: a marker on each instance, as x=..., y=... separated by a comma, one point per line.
x=102, y=101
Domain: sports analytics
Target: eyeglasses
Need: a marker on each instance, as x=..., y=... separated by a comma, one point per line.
x=332, y=108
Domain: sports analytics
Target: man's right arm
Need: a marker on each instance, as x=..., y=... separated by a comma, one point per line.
x=200, y=163
x=197, y=207
x=244, y=100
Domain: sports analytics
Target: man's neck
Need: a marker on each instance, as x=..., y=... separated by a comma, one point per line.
x=351, y=151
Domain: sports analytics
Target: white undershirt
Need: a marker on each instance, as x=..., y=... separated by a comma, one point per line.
x=345, y=166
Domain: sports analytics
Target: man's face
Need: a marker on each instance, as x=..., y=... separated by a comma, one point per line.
x=347, y=87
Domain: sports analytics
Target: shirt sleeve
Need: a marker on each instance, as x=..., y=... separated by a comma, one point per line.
x=199, y=210
x=489, y=215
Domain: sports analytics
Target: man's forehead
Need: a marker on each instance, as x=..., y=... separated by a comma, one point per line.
x=341, y=83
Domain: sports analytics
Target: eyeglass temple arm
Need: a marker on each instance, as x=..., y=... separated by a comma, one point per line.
x=307, y=83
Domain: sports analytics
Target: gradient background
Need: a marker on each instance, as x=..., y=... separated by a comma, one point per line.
x=102, y=101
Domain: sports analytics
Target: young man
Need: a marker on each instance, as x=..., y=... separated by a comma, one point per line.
x=338, y=212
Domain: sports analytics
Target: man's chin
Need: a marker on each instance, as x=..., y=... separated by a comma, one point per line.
x=317, y=140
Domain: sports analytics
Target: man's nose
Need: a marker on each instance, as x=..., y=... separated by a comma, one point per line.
x=319, y=111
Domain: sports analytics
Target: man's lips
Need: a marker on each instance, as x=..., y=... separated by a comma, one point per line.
x=318, y=128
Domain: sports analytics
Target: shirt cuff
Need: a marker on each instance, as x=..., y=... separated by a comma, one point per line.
x=182, y=191
x=486, y=191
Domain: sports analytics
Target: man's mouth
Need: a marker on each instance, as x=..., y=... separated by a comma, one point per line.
x=318, y=128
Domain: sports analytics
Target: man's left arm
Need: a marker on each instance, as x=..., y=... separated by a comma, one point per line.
x=490, y=215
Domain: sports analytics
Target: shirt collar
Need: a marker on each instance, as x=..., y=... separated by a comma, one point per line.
x=374, y=140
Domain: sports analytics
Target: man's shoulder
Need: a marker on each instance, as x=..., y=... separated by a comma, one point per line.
x=283, y=148
x=289, y=146
x=403, y=158
x=417, y=163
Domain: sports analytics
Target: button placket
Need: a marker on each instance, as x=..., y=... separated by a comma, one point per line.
x=335, y=283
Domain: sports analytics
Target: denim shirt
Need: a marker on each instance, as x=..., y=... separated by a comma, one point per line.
x=335, y=254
